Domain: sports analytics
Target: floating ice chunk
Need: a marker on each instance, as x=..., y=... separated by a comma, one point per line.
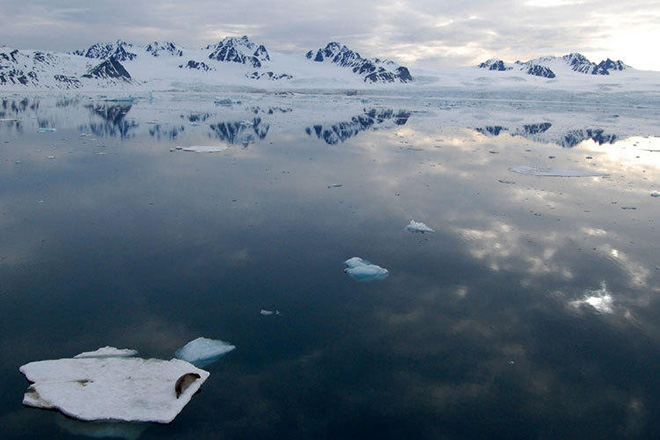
x=107, y=351
x=414, y=226
x=335, y=185
x=204, y=148
x=363, y=270
x=113, y=388
x=553, y=172
x=269, y=312
x=203, y=351
x=46, y=130
x=655, y=194
x=600, y=299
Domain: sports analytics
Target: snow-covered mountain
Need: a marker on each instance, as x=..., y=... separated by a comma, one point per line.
x=242, y=63
x=372, y=70
x=550, y=66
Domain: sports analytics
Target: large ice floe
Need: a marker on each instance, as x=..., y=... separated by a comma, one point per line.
x=111, y=384
x=203, y=351
x=553, y=172
x=414, y=226
x=363, y=270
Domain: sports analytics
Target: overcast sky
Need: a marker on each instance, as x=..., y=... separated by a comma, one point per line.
x=412, y=32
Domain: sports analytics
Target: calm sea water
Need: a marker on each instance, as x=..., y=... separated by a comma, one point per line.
x=531, y=312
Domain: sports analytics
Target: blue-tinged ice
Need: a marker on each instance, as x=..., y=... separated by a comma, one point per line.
x=414, y=226
x=363, y=270
x=203, y=351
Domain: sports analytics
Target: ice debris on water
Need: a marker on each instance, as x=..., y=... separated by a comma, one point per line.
x=203, y=148
x=335, y=185
x=553, y=172
x=655, y=194
x=102, y=386
x=363, y=270
x=420, y=227
x=269, y=312
x=203, y=351
x=46, y=130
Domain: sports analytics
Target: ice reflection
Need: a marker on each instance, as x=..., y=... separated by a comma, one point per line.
x=370, y=119
x=114, y=120
x=240, y=132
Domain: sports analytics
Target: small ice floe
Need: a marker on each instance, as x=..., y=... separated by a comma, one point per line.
x=655, y=194
x=9, y=120
x=553, y=172
x=600, y=299
x=203, y=351
x=507, y=182
x=204, y=148
x=363, y=270
x=335, y=185
x=269, y=312
x=46, y=130
x=100, y=386
x=420, y=227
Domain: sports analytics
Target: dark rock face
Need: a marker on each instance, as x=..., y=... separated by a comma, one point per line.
x=268, y=75
x=494, y=64
x=68, y=81
x=119, y=50
x=109, y=69
x=239, y=50
x=538, y=70
x=604, y=67
x=372, y=70
x=196, y=65
x=580, y=63
x=157, y=48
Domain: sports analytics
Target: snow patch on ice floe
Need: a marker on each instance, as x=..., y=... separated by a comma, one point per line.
x=363, y=270
x=414, y=226
x=203, y=351
x=112, y=388
x=553, y=172
x=107, y=351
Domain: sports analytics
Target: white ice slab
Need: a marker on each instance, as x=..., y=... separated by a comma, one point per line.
x=363, y=270
x=553, y=172
x=414, y=226
x=204, y=148
x=203, y=351
x=105, y=352
x=111, y=388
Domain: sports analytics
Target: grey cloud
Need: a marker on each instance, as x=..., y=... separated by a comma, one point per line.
x=508, y=29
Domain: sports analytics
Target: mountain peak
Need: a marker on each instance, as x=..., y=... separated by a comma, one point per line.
x=373, y=70
x=239, y=50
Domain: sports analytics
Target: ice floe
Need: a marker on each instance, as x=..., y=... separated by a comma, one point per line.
x=203, y=148
x=420, y=227
x=363, y=270
x=269, y=312
x=99, y=386
x=203, y=351
x=600, y=299
x=553, y=172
